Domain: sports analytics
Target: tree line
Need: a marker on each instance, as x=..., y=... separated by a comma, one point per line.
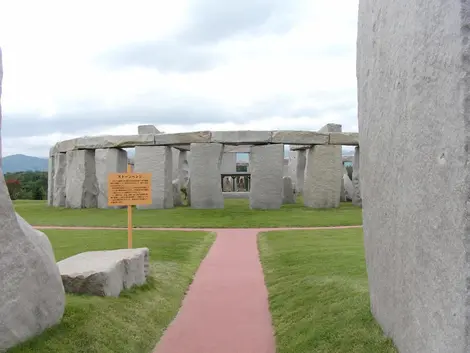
x=27, y=185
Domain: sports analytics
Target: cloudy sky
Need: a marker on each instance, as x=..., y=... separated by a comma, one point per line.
x=103, y=67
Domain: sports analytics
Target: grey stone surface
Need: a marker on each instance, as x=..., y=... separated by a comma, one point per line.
x=241, y=137
x=356, y=195
x=236, y=195
x=183, y=138
x=300, y=171
x=175, y=154
x=183, y=168
x=300, y=137
x=229, y=163
x=288, y=195
x=157, y=160
x=105, y=273
x=292, y=167
x=177, y=201
x=59, y=180
x=348, y=187
x=205, y=160
x=81, y=186
x=344, y=138
x=267, y=163
x=413, y=108
x=147, y=129
x=108, y=141
x=108, y=160
x=50, y=181
x=32, y=297
x=323, y=174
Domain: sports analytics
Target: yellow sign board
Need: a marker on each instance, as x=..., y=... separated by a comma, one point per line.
x=128, y=189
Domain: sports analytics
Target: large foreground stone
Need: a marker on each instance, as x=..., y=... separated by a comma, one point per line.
x=414, y=112
x=81, y=186
x=206, y=188
x=104, y=273
x=267, y=162
x=32, y=297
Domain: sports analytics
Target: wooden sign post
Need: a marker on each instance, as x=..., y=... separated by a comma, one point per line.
x=129, y=189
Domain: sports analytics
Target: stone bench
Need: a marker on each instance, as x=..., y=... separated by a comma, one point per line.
x=104, y=273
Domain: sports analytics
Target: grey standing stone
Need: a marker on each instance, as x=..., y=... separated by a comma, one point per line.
x=176, y=193
x=229, y=163
x=292, y=166
x=323, y=174
x=267, y=162
x=356, y=196
x=348, y=186
x=300, y=171
x=81, y=185
x=343, y=192
x=59, y=180
x=175, y=154
x=50, y=181
x=183, y=168
x=108, y=160
x=157, y=160
x=205, y=160
x=413, y=70
x=147, y=129
x=288, y=195
x=32, y=296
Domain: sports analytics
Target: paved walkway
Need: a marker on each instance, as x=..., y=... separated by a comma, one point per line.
x=226, y=309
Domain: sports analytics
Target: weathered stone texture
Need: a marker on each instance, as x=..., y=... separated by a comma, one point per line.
x=301, y=161
x=413, y=107
x=32, y=297
x=323, y=174
x=241, y=137
x=157, y=160
x=356, y=195
x=299, y=137
x=205, y=160
x=348, y=187
x=183, y=168
x=108, y=160
x=59, y=180
x=288, y=195
x=104, y=273
x=81, y=186
x=50, y=181
x=344, y=138
x=229, y=163
x=267, y=164
x=147, y=129
x=177, y=201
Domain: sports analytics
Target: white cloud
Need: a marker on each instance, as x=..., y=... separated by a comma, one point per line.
x=299, y=75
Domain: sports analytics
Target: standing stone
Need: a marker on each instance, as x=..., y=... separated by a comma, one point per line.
x=147, y=129
x=300, y=171
x=229, y=163
x=288, y=195
x=109, y=160
x=266, y=176
x=175, y=154
x=323, y=174
x=205, y=160
x=157, y=160
x=59, y=180
x=50, y=181
x=183, y=168
x=413, y=106
x=81, y=186
x=356, y=196
x=176, y=193
x=32, y=296
x=293, y=168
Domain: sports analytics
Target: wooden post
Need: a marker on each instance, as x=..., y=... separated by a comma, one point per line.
x=129, y=218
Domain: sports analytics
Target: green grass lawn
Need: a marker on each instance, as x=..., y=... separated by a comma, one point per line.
x=134, y=322
x=236, y=214
x=318, y=292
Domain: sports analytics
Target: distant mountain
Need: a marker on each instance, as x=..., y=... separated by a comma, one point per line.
x=21, y=163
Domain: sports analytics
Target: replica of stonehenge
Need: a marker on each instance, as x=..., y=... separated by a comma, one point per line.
x=198, y=161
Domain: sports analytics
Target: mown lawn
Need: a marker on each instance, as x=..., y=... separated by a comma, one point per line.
x=134, y=322
x=236, y=214
x=318, y=292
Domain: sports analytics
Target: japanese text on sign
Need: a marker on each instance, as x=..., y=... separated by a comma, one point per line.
x=127, y=189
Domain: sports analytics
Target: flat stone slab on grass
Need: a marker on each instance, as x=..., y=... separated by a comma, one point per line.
x=104, y=273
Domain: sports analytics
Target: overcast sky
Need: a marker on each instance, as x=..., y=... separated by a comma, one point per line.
x=103, y=67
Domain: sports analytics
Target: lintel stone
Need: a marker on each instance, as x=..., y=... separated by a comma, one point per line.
x=300, y=138
x=242, y=137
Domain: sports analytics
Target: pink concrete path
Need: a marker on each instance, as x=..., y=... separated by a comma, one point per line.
x=226, y=308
